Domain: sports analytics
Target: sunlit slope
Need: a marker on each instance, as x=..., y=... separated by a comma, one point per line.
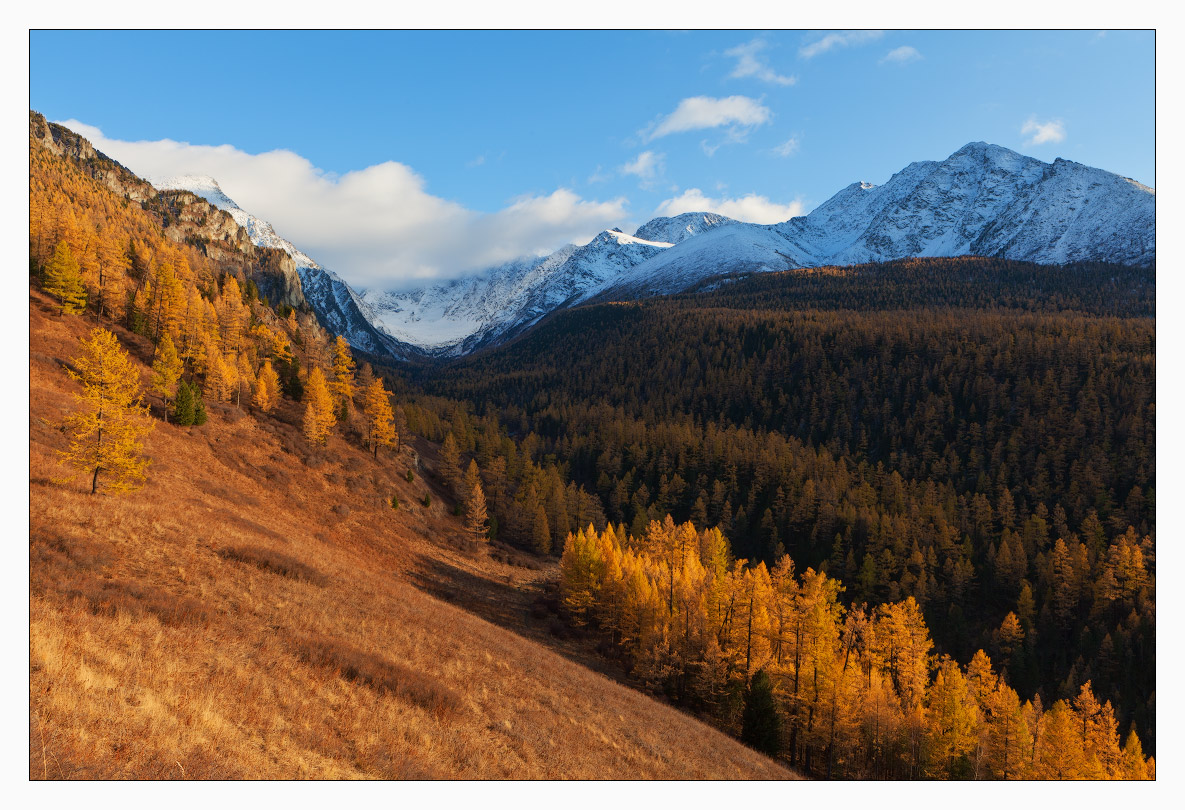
x=252, y=613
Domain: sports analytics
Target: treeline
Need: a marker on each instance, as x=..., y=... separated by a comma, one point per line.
x=984, y=461
x=772, y=654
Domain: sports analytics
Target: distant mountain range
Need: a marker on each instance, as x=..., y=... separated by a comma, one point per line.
x=983, y=200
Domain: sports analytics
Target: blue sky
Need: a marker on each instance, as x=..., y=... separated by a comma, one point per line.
x=391, y=156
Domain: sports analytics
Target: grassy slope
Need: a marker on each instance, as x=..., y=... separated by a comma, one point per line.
x=226, y=621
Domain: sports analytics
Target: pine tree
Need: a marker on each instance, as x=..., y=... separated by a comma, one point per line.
x=63, y=280
x=319, y=418
x=760, y=723
x=379, y=418
x=107, y=430
x=166, y=372
x=183, y=410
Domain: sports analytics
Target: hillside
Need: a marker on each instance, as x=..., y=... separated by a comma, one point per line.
x=256, y=611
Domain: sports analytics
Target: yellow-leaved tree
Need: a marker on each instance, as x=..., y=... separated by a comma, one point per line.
x=342, y=386
x=107, y=429
x=267, y=387
x=319, y=418
x=166, y=371
x=379, y=418
x=63, y=280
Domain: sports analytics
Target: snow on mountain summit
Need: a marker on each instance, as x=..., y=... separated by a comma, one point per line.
x=684, y=226
x=982, y=200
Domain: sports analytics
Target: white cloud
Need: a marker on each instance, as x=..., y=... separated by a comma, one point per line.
x=1043, y=131
x=378, y=226
x=704, y=112
x=646, y=167
x=477, y=161
x=750, y=208
x=787, y=148
x=749, y=64
x=839, y=39
x=902, y=56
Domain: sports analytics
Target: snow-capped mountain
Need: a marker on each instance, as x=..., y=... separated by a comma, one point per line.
x=683, y=226
x=982, y=200
x=339, y=308
x=458, y=316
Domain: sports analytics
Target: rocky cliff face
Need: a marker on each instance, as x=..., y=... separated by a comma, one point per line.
x=65, y=143
x=185, y=216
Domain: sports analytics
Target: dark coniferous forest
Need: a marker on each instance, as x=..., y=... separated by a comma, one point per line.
x=975, y=433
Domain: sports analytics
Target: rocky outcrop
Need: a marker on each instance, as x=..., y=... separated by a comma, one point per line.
x=65, y=143
x=277, y=278
x=185, y=217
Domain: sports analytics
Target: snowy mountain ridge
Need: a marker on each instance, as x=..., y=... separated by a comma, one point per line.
x=983, y=200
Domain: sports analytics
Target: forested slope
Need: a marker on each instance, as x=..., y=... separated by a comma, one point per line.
x=974, y=433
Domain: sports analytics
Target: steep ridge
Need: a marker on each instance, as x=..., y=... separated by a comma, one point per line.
x=337, y=306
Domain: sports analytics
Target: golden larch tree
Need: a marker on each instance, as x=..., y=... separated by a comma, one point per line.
x=166, y=371
x=342, y=386
x=107, y=429
x=477, y=520
x=267, y=387
x=319, y=418
x=245, y=376
x=63, y=280
x=379, y=418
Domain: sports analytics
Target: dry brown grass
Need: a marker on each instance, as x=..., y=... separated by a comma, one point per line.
x=227, y=622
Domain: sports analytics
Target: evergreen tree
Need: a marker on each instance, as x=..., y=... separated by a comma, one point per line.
x=183, y=409
x=761, y=726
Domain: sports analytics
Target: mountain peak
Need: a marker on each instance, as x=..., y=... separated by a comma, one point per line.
x=675, y=229
x=202, y=185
